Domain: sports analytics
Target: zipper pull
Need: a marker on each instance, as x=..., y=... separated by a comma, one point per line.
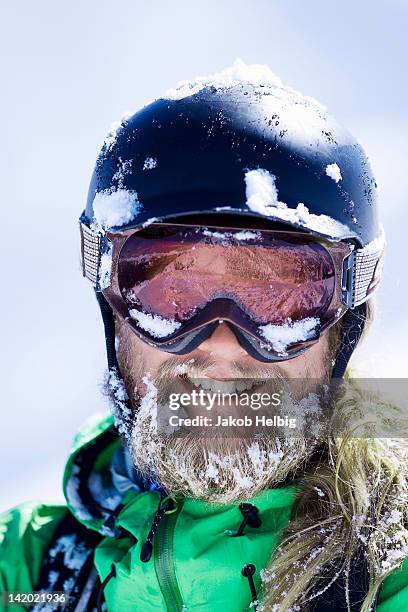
x=251, y=518
x=101, y=594
x=248, y=571
x=167, y=505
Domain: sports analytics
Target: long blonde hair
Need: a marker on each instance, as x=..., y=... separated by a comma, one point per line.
x=354, y=499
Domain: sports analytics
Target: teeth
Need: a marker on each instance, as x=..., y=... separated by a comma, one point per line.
x=224, y=386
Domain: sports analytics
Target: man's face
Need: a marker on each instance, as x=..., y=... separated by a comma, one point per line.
x=222, y=468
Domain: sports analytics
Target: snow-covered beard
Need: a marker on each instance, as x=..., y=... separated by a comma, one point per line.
x=218, y=468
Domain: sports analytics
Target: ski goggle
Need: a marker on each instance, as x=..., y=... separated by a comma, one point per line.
x=277, y=290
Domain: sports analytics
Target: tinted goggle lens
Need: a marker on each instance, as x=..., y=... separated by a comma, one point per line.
x=176, y=274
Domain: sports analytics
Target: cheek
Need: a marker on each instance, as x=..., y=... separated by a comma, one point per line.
x=312, y=364
x=144, y=357
x=296, y=368
x=153, y=358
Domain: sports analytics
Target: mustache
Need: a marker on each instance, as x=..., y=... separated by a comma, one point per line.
x=195, y=371
x=201, y=367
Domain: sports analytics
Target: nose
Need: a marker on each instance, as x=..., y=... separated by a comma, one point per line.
x=222, y=344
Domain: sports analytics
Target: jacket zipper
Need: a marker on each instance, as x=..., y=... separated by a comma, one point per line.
x=164, y=561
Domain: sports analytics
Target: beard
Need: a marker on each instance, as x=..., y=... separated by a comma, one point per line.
x=220, y=468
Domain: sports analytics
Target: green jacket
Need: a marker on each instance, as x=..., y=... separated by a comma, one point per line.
x=196, y=561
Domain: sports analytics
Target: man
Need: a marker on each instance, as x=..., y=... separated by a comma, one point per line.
x=232, y=239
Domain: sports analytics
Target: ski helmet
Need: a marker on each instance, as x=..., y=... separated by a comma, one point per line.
x=238, y=143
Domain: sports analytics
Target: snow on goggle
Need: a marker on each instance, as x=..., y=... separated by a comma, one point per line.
x=280, y=289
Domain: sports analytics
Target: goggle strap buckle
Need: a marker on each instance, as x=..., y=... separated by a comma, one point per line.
x=359, y=270
x=91, y=249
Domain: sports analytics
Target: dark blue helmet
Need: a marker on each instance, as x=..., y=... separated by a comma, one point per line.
x=194, y=151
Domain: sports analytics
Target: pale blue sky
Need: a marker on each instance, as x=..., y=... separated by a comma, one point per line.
x=69, y=69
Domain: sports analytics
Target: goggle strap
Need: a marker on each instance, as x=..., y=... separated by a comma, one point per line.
x=352, y=326
x=109, y=326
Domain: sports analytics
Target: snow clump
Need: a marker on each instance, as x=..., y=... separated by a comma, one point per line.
x=114, y=208
x=262, y=198
x=227, y=237
x=247, y=235
x=105, y=268
x=120, y=408
x=154, y=324
x=124, y=168
x=281, y=336
x=375, y=246
x=261, y=192
x=240, y=73
x=112, y=136
x=333, y=171
x=150, y=163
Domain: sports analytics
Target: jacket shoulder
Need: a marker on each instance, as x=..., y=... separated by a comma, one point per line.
x=25, y=533
x=394, y=590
